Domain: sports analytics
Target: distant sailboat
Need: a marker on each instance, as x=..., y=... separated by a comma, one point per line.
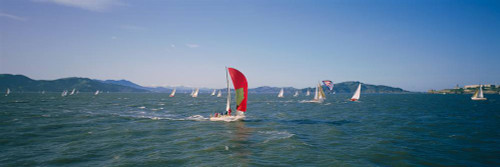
x=72, y=92
x=296, y=94
x=478, y=95
x=192, y=92
x=43, y=92
x=8, y=92
x=195, y=93
x=241, y=91
x=356, y=95
x=319, y=94
x=308, y=92
x=213, y=93
x=96, y=92
x=64, y=93
x=173, y=92
x=281, y=93
x=219, y=94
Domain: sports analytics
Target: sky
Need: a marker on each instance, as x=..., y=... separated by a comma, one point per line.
x=414, y=45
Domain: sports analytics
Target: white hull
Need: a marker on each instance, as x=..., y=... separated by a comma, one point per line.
x=227, y=118
x=478, y=98
x=312, y=101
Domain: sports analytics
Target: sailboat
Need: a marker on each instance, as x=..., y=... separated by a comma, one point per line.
x=173, y=92
x=64, y=93
x=240, y=85
x=96, y=92
x=219, y=94
x=308, y=92
x=281, y=93
x=43, y=92
x=213, y=93
x=296, y=94
x=478, y=95
x=8, y=92
x=356, y=95
x=195, y=93
x=72, y=92
x=319, y=95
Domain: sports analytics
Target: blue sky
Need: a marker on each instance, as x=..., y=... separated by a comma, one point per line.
x=415, y=45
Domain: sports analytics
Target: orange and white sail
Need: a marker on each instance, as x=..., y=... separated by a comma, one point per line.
x=281, y=93
x=173, y=92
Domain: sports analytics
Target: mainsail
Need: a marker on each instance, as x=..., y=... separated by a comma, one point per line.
x=8, y=92
x=308, y=92
x=219, y=94
x=72, y=92
x=319, y=95
x=281, y=93
x=213, y=93
x=357, y=93
x=296, y=94
x=173, y=92
x=195, y=93
x=96, y=92
x=478, y=95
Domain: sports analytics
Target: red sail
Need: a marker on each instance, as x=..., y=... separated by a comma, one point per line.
x=241, y=88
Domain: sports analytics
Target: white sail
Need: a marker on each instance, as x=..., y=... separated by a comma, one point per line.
x=213, y=93
x=64, y=93
x=192, y=93
x=296, y=94
x=316, y=96
x=173, y=92
x=281, y=93
x=357, y=94
x=195, y=94
x=480, y=94
x=219, y=94
x=72, y=92
x=228, y=104
x=308, y=92
x=96, y=92
x=8, y=92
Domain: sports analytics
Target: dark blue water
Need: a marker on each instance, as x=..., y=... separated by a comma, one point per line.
x=119, y=129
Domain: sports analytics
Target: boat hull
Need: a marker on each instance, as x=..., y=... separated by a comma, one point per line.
x=476, y=98
x=227, y=118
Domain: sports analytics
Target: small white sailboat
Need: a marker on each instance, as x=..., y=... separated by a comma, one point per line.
x=478, y=95
x=281, y=93
x=195, y=93
x=43, y=92
x=213, y=93
x=219, y=94
x=96, y=92
x=308, y=93
x=64, y=93
x=296, y=94
x=357, y=94
x=240, y=85
x=72, y=92
x=173, y=93
x=8, y=92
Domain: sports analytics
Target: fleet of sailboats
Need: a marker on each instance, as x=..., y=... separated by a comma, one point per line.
x=240, y=85
x=356, y=95
x=281, y=93
x=173, y=92
x=478, y=95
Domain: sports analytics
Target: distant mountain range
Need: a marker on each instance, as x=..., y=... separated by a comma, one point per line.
x=21, y=83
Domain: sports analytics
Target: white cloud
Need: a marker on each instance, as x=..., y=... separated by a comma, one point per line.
x=92, y=5
x=132, y=27
x=192, y=45
x=13, y=17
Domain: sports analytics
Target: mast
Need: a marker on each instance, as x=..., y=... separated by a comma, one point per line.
x=228, y=104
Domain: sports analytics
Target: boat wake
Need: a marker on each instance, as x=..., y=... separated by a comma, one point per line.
x=275, y=135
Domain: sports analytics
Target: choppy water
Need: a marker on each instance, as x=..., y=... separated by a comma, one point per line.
x=119, y=129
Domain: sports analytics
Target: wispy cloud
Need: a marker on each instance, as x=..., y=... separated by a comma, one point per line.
x=132, y=27
x=192, y=45
x=92, y=5
x=13, y=17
